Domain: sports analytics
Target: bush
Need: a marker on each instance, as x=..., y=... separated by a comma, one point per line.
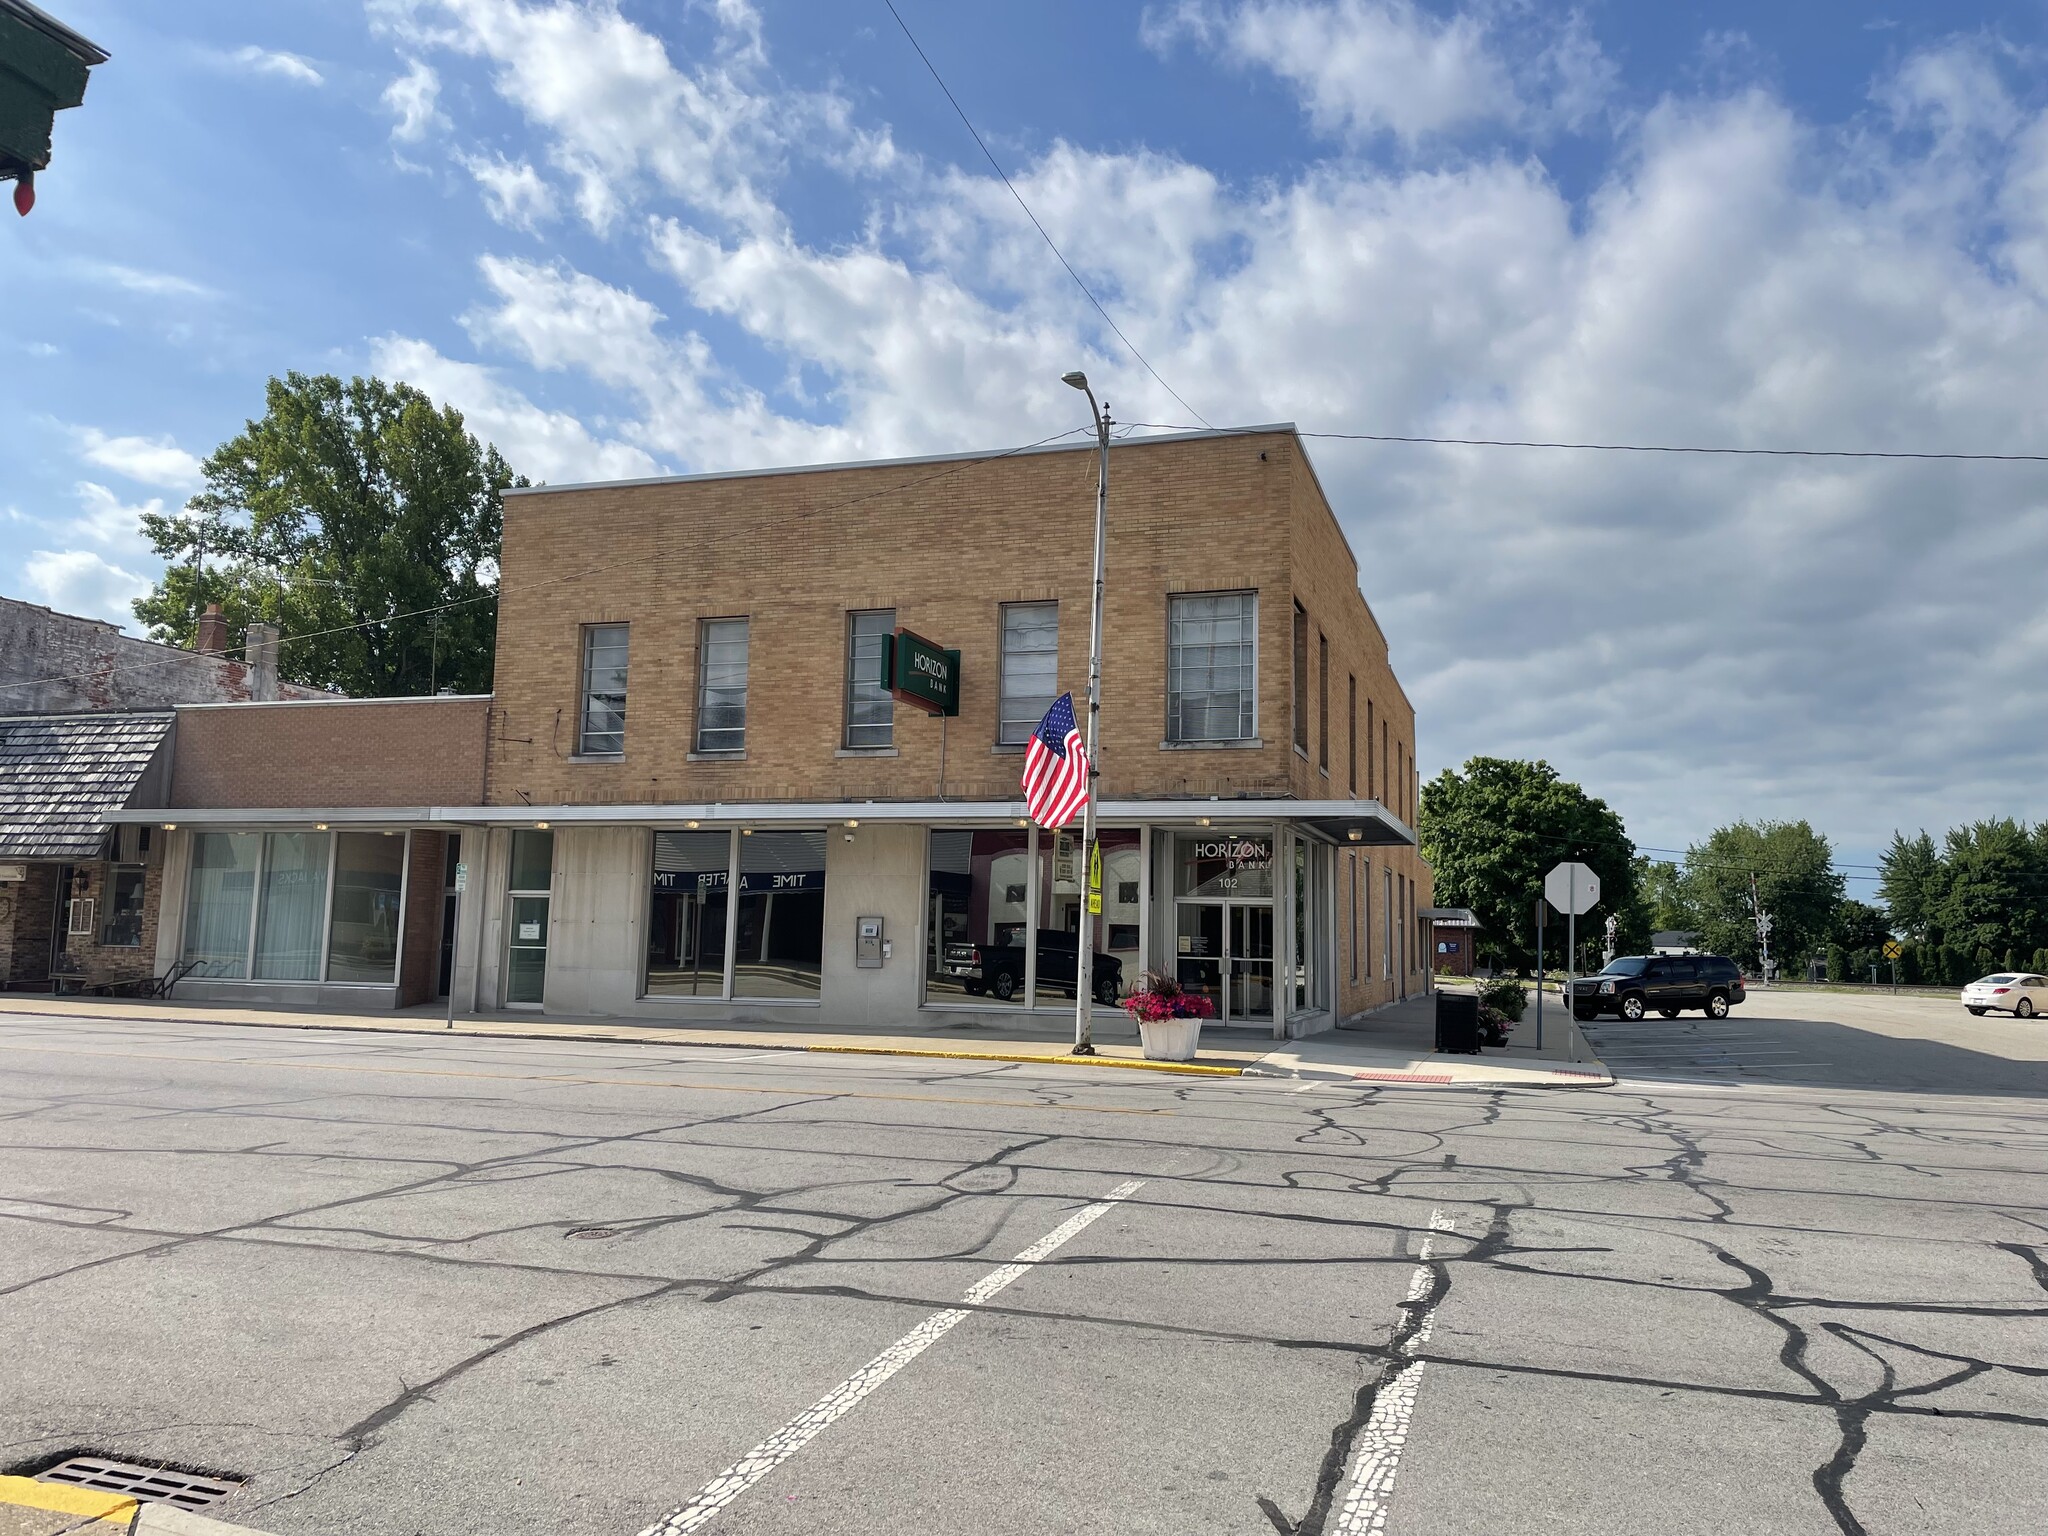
x=1494, y=1026
x=1505, y=995
x=1985, y=963
x=1909, y=965
x=2040, y=964
x=1838, y=963
x=1954, y=966
x=2012, y=961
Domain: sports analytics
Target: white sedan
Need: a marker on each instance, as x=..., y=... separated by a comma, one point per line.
x=2016, y=993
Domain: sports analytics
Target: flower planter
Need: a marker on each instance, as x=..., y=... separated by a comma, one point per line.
x=1170, y=1039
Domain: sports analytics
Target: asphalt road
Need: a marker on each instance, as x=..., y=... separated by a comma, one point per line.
x=408, y=1286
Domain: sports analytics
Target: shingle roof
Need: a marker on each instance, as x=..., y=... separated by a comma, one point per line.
x=60, y=773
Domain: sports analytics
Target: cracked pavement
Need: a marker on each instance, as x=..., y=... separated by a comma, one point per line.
x=408, y=1285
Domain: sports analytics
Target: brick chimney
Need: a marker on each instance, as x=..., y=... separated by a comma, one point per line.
x=212, y=639
x=260, y=650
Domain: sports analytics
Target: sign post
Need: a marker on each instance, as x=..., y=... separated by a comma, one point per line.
x=1572, y=888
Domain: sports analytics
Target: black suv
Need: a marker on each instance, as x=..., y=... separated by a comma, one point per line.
x=999, y=968
x=1633, y=985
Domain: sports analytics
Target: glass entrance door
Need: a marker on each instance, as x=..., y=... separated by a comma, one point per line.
x=1224, y=951
x=1251, y=963
x=526, y=958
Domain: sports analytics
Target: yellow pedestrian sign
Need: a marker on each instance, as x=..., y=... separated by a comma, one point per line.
x=1095, y=880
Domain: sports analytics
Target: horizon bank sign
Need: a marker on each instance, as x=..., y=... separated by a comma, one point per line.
x=922, y=674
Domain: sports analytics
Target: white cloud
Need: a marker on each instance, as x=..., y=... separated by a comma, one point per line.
x=143, y=281
x=1370, y=67
x=150, y=460
x=79, y=581
x=411, y=99
x=544, y=445
x=272, y=61
x=111, y=523
x=1695, y=638
x=513, y=191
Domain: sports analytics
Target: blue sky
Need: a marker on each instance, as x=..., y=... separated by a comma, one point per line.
x=705, y=233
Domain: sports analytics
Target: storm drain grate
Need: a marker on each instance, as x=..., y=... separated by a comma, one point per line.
x=158, y=1485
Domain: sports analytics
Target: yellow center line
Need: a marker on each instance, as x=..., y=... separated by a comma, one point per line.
x=579, y=1080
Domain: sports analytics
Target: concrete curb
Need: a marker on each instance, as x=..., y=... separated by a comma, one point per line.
x=165, y=1520
x=1195, y=1068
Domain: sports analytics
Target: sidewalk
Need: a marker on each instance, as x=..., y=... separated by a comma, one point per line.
x=1393, y=1046
x=31, y=1507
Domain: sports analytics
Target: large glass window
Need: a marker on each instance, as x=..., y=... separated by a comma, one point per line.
x=979, y=906
x=1211, y=667
x=603, y=733
x=780, y=937
x=1031, y=643
x=686, y=933
x=1062, y=902
x=123, y=925
x=870, y=708
x=722, y=686
x=220, y=899
x=292, y=904
x=369, y=880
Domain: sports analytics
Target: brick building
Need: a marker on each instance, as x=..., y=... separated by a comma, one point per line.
x=700, y=797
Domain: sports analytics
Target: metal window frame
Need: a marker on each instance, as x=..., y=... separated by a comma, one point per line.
x=1323, y=702
x=1173, y=693
x=583, y=747
x=703, y=679
x=1003, y=611
x=1298, y=647
x=846, y=741
x=512, y=893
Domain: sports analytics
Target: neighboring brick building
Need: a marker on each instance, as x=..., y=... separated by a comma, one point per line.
x=699, y=797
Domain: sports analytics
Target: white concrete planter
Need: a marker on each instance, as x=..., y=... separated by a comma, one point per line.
x=1170, y=1039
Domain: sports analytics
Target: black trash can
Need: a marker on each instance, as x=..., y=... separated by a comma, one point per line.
x=1457, y=1023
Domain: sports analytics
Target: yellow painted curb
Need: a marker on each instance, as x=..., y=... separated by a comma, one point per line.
x=63, y=1499
x=1192, y=1068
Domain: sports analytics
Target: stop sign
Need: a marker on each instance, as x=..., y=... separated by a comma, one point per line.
x=1572, y=888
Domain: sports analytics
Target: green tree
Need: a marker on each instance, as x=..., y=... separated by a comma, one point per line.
x=1667, y=904
x=1858, y=925
x=1910, y=973
x=1995, y=887
x=1792, y=866
x=343, y=516
x=1492, y=832
x=1912, y=883
x=1838, y=964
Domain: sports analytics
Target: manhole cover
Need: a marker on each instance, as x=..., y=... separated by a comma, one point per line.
x=595, y=1232
x=159, y=1485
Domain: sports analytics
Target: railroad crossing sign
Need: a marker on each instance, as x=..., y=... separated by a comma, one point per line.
x=1572, y=888
x=1892, y=949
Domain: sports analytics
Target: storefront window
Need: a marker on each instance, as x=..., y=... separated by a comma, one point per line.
x=1223, y=922
x=369, y=879
x=780, y=937
x=686, y=933
x=1232, y=865
x=1062, y=901
x=123, y=928
x=293, y=901
x=528, y=920
x=978, y=908
x=219, y=900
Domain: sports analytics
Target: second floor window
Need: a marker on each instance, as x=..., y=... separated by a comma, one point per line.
x=1323, y=702
x=870, y=708
x=1031, y=643
x=1301, y=679
x=722, y=686
x=1212, y=667
x=603, y=731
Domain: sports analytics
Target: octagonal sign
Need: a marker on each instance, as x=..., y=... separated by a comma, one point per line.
x=1572, y=888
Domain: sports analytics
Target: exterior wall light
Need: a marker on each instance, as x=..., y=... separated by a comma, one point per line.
x=691, y=825
x=851, y=825
x=1357, y=834
x=1201, y=821
x=319, y=826
x=540, y=826
x=170, y=826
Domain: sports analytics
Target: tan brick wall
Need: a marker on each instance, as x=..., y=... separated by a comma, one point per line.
x=945, y=545
x=398, y=752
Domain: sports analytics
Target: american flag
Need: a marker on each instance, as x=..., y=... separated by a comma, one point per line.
x=1056, y=767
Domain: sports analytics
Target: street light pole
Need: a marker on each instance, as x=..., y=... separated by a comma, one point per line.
x=1084, y=960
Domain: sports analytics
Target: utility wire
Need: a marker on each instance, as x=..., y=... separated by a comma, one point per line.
x=1498, y=442
x=1120, y=336
x=178, y=655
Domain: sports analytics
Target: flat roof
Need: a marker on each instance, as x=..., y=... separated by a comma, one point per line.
x=927, y=458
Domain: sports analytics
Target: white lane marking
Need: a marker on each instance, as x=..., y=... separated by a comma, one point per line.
x=805, y=1427
x=1386, y=1431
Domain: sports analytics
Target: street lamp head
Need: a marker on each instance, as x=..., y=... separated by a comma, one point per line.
x=1075, y=380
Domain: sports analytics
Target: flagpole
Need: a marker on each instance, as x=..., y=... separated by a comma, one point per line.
x=1084, y=960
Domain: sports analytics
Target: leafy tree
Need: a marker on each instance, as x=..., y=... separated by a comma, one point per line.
x=1994, y=896
x=1493, y=831
x=1912, y=883
x=1667, y=904
x=1859, y=925
x=1792, y=867
x=1838, y=963
x=1909, y=965
x=341, y=516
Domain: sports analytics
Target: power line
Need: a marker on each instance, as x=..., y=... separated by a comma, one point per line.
x=1120, y=336
x=1763, y=453
x=178, y=656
